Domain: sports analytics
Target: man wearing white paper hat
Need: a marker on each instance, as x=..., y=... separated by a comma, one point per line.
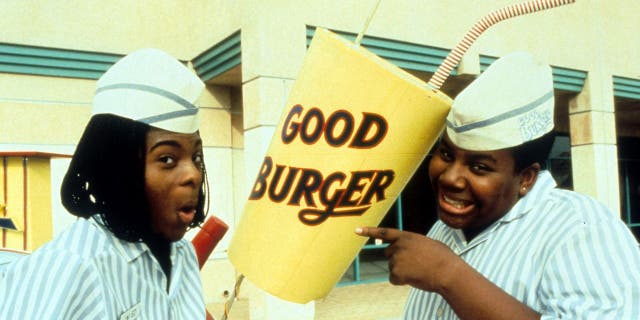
x=508, y=244
x=137, y=183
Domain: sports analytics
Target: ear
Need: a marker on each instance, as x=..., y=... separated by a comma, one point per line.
x=528, y=177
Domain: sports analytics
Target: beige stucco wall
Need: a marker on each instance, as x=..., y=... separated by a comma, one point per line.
x=186, y=28
x=574, y=36
x=43, y=110
x=116, y=26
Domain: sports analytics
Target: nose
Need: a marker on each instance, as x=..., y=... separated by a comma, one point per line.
x=191, y=174
x=452, y=176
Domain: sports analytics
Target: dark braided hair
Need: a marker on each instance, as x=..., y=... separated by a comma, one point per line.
x=106, y=178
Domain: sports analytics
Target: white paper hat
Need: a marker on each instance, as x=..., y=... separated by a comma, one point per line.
x=152, y=87
x=509, y=104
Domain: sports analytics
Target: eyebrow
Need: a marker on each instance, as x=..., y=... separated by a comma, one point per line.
x=444, y=142
x=482, y=156
x=472, y=155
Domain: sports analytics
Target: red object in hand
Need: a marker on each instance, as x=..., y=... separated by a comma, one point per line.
x=206, y=240
x=208, y=237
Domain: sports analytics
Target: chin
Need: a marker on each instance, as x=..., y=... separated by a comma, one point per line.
x=460, y=226
x=452, y=221
x=175, y=236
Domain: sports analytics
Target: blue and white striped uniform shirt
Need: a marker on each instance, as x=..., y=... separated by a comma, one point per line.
x=88, y=273
x=561, y=253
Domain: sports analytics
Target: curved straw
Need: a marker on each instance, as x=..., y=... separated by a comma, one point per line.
x=366, y=24
x=494, y=17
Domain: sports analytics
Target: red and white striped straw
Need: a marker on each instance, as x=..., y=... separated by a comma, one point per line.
x=494, y=17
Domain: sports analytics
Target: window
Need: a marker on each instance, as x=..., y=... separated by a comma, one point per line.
x=629, y=166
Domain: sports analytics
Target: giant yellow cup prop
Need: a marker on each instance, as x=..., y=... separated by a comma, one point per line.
x=354, y=130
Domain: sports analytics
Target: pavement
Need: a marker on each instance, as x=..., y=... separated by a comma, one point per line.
x=375, y=301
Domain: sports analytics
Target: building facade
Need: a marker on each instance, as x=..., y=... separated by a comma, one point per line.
x=249, y=54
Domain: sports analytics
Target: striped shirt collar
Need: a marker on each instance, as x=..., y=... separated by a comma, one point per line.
x=130, y=250
x=541, y=187
x=543, y=184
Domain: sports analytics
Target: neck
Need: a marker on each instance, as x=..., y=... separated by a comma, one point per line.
x=470, y=234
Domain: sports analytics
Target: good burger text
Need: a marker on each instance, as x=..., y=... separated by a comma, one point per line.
x=337, y=193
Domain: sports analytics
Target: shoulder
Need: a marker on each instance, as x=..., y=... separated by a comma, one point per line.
x=575, y=222
x=579, y=208
x=72, y=249
x=85, y=238
x=185, y=249
x=588, y=254
x=50, y=283
x=594, y=259
x=571, y=216
x=69, y=256
x=545, y=196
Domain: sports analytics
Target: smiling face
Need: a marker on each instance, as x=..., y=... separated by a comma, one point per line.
x=173, y=175
x=476, y=188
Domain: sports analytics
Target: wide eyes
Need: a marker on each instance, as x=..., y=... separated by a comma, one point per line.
x=170, y=160
x=167, y=160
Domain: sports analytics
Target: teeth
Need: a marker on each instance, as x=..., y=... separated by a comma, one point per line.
x=458, y=204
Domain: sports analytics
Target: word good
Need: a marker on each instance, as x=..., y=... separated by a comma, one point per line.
x=336, y=129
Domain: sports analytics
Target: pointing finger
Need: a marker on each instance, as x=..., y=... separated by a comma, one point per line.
x=387, y=234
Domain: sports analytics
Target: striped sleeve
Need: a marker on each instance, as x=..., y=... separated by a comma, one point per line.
x=52, y=285
x=593, y=274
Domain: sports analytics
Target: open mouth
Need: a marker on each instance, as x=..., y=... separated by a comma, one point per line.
x=186, y=214
x=455, y=206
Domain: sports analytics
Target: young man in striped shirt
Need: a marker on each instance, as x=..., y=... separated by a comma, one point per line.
x=137, y=183
x=508, y=244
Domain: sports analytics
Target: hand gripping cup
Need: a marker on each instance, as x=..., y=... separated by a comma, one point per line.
x=354, y=130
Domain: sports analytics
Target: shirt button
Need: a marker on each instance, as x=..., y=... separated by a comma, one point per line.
x=440, y=312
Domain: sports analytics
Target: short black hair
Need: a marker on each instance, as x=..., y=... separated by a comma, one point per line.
x=534, y=151
x=106, y=178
